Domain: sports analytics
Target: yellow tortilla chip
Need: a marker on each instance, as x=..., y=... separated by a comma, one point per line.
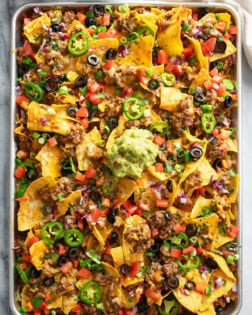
x=77, y=26
x=56, y=303
x=208, y=311
x=222, y=264
x=68, y=303
x=203, y=60
x=159, y=175
x=50, y=159
x=225, y=17
x=211, y=221
x=231, y=49
x=220, y=240
x=64, y=204
x=202, y=76
x=117, y=132
x=125, y=189
x=148, y=20
x=34, y=29
x=55, y=118
x=200, y=204
x=101, y=233
x=117, y=255
x=170, y=98
x=143, y=193
x=37, y=252
x=235, y=185
x=29, y=213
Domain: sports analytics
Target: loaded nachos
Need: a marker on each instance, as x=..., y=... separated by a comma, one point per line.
x=126, y=161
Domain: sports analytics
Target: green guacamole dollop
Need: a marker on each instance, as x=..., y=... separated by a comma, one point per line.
x=132, y=153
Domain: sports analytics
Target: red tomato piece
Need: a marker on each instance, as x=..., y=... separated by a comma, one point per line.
x=159, y=167
x=22, y=98
x=84, y=273
x=66, y=267
x=95, y=214
x=232, y=230
x=27, y=49
x=109, y=64
x=52, y=142
x=208, y=46
x=81, y=17
x=130, y=207
x=177, y=228
x=135, y=269
x=188, y=52
x=152, y=294
x=188, y=249
x=162, y=57
x=175, y=253
x=20, y=172
x=163, y=203
x=34, y=239
x=90, y=172
x=159, y=140
x=106, y=19
x=95, y=99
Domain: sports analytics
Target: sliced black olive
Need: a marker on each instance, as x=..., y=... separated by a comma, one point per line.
x=62, y=78
x=62, y=260
x=113, y=238
x=112, y=123
x=172, y=282
x=142, y=305
x=55, y=27
x=190, y=285
x=93, y=60
x=34, y=273
x=220, y=46
x=111, y=54
x=201, y=36
x=155, y=247
x=98, y=10
x=202, y=12
x=190, y=230
x=155, y=52
x=199, y=95
x=72, y=110
x=125, y=269
x=22, y=69
x=31, y=173
x=81, y=81
x=213, y=140
x=219, y=309
x=217, y=164
x=211, y=263
x=51, y=85
x=168, y=216
x=228, y=102
x=111, y=216
x=153, y=84
x=169, y=186
x=95, y=195
x=48, y=281
x=90, y=21
x=74, y=253
x=196, y=153
x=213, y=64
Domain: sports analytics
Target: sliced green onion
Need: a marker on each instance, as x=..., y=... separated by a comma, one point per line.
x=123, y=40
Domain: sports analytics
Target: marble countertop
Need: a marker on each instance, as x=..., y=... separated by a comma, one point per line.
x=7, y=7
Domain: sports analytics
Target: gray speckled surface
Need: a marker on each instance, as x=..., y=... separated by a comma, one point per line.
x=7, y=7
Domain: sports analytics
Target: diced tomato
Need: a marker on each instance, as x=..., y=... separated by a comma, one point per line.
x=216, y=132
x=109, y=64
x=43, y=306
x=128, y=91
x=224, y=147
x=199, y=250
x=121, y=312
x=81, y=17
x=128, y=312
x=27, y=49
x=21, y=154
x=46, y=312
x=226, y=163
x=162, y=57
x=26, y=258
x=106, y=202
x=188, y=250
x=104, y=212
x=138, y=212
x=95, y=99
x=159, y=167
x=154, y=232
x=188, y=52
x=66, y=267
x=26, y=21
x=177, y=70
x=37, y=312
x=183, y=227
x=208, y=84
x=22, y=199
x=80, y=224
x=29, y=306
x=163, y=203
x=143, y=78
x=77, y=309
x=52, y=142
x=91, y=31
x=214, y=72
x=170, y=67
x=217, y=79
x=90, y=172
x=20, y=172
x=93, y=87
x=108, y=249
x=135, y=269
x=34, y=239
x=175, y=253
x=23, y=266
x=221, y=26
x=221, y=90
x=195, y=16
x=82, y=113
x=130, y=207
x=62, y=249
x=84, y=273
x=48, y=298
x=233, y=30
x=152, y=294
x=109, y=34
x=22, y=98
x=177, y=228
x=159, y=140
x=208, y=46
x=80, y=178
x=226, y=35
x=95, y=214
x=84, y=122
x=200, y=191
x=232, y=230
x=106, y=19
x=200, y=287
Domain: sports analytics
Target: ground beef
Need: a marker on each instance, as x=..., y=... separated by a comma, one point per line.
x=24, y=143
x=114, y=107
x=170, y=268
x=152, y=277
x=228, y=252
x=213, y=151
x=68, y=17
x=75, y=136
x=193, y=180
x=64, y=188
x=132, y=123
x=157, y=220
x=152, y=310
x=163, y=24
x=126, y=23
x=225, y=177
x=139, y=236
x=220, y=302
x=90, y=310
x=120, y=76
x=223, y=201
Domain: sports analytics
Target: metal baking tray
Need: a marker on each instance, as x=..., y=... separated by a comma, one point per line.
x=15, y=42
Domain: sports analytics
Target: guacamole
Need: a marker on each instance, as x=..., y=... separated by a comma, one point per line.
x=132, y=153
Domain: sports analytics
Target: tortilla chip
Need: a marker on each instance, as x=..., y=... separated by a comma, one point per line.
x=29, y=213
x=219, y=240
x=143, y=192
x=200, y=204
x=231, y=49
x=170, y=98
x=117, y=132
x=34, y=29
x=117, y=255
x=148, y=20
x=203, y=60
x=126, y=282
x=162, y=176
x=225, y=17
x=222, y=264
x=125, y=188
x=101, y=233
x=68, y=303
x=37, y=252
x=50, y=159
x=210, y=17
x=78, y=26
x=56, y=303
x=58, y=122
x=235, y=185
x=202, y=76
x=208, y=311
x=64, y=204
x=211, y=221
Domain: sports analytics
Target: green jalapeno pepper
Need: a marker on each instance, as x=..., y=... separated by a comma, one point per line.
x=193, y=262
x=33, y=91
x=51, y=231
x=146, y=31
x=73, y=237
x=22, y=274
x=161, y=127
x=133, y=36
x=180, y=239
x=228, y=84
x=206, y=108
x=168, y=79
x=170, y=308
x=208, y=122
x=133, y=108
x=78, y=44
x=91, y=293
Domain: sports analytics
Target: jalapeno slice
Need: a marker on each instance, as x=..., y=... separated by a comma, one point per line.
x=133, y=108
x=192, y=262
x=33, y=91
x=170, y=308
x=73, y=237
x=22, y=274
x=51, y=232
x=91, y=293
x=206, y=108
x=168, y=79
x=78, y=44
x=208, y=122
x=146, y=31
x=160, y=127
